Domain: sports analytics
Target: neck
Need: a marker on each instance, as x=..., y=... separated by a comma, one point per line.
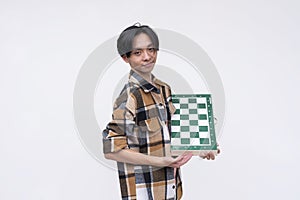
x=147, y=77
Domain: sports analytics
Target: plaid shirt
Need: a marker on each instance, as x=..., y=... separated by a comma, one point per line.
x=141, y=123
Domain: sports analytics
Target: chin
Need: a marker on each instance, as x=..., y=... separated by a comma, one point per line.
x=149, y=69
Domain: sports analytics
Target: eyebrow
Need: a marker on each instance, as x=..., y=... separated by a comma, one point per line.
x=149, y=45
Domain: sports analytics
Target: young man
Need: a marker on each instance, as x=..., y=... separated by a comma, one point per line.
x=138, y=137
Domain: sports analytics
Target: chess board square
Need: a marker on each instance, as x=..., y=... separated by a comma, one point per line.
x=185, y=135
x=184, y=117
x=202, y=112
x=194, y=134
x=193, y=117
x=175, y=117
x=175, y=134
x=184, y=105
x=184, y=122
x=201, y=105
x=175, y=122
x=177, y=141
x=184, y=128
x=202, y=117
x=192, y=106
x=194, y=141
x=203, y=123
x=185, y=140
x=184, y=100
x=184, y=111
x=175, y=129
x=203, y=134
x=177, y=106
x=204, y=141
x=193, y=100
x=203, y=128
x=194, y=128
x=201, y=100
x=193, y=122
x=175, y=101
x=192, y=111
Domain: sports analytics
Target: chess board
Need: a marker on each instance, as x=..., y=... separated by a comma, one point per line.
x=192, y=125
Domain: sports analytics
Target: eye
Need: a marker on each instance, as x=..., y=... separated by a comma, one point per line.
x=151, y=49
x=137, y=53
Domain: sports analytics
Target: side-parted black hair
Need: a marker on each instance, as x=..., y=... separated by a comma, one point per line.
x=125, y=40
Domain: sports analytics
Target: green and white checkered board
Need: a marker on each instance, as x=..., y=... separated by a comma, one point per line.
x=193, y=124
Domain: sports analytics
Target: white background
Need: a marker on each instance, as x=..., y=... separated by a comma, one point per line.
x=254, y=45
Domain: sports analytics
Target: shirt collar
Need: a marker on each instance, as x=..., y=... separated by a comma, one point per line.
x=141, y=82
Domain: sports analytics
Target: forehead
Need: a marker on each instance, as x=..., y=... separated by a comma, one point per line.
x=141, y=41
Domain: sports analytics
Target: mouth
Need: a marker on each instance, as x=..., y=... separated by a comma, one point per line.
x=149, y=64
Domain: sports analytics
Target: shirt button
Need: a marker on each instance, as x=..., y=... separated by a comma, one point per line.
x=173, y=186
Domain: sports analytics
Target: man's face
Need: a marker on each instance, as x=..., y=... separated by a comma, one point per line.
x=143, y=55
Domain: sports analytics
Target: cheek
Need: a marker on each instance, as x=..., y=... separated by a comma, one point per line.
x=155, y=56
x=135, y=64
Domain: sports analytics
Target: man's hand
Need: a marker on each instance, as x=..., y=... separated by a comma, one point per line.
x=179, y=161
x=210, y=155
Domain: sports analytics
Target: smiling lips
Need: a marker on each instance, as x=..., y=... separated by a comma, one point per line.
x=148, y=65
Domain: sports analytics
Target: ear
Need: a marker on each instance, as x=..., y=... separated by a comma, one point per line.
x=124, y=57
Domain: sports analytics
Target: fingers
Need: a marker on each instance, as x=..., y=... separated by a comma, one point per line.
x=209, y=156
x=186, y=158
x=218, y=150
x=181, y=160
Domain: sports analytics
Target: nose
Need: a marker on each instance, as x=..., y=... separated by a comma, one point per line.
x=147, y=55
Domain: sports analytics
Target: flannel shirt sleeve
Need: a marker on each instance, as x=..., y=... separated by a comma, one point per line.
x=121, y=125
x=169, y=99
x=172, y=108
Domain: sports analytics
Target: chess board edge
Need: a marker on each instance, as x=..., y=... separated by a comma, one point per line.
x=195, y=153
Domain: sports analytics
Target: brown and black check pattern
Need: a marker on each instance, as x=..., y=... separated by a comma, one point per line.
x=140, y=122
